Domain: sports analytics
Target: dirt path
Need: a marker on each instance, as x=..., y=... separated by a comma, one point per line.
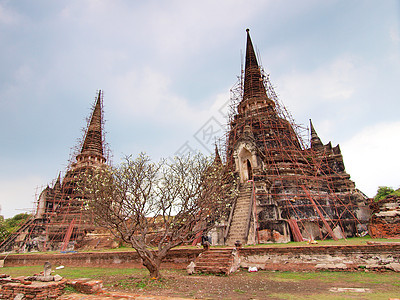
x=116, y=296
x=244, y=285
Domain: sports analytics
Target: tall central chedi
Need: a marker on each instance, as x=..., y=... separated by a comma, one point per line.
x=288, y=190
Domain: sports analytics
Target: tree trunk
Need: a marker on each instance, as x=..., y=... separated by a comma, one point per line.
x=155, y=274
x=153, y=266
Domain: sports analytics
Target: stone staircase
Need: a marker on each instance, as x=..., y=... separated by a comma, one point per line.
x=240, y=219
x=217, y=261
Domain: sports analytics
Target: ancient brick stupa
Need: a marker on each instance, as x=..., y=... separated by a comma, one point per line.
x=288, y=190
x=61, y=221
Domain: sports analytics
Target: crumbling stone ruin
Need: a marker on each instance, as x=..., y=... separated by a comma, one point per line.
x=61, y=221
x=385, y=218
x=40, y=286
x=45, y=285
x=289, y=191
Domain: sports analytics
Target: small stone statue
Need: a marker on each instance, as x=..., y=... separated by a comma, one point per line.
x=47, y=269
x=46, y=274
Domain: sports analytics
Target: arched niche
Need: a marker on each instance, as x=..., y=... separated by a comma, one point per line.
x=246, y=162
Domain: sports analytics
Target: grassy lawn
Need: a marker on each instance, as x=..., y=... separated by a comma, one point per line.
x=73, y=272
x=240, y=285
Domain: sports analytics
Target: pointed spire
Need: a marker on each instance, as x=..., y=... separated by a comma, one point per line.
x=217, y=158
x=57, y=185
x=254, y=93
x=93, y=142
x=253, y=80
x=315, y=140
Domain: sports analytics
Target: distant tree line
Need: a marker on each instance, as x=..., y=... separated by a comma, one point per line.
x=10, y=225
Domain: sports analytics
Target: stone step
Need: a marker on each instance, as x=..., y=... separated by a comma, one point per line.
x=240, y=216
x=211, y=253
x=200, y=265
x=237, y=232
x=214, y=261
x=242, y=204
x=241, y=211
x=213, y=270
x=209, y=259
x=238, y=224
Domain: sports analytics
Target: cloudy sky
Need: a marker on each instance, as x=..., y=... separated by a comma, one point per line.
x=166, y=68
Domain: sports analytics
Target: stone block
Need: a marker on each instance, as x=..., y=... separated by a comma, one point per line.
x=394, y=266
x=87, y=286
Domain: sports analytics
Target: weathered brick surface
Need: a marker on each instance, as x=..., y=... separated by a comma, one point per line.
x=35, y=290
x=86, y=285
x=215, y=261
x=375, y=257
x=385, y=219
x=176, y=258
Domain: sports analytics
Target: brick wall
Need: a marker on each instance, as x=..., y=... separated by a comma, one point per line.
x=374, y=257
x=36, y=290
x=176, y=258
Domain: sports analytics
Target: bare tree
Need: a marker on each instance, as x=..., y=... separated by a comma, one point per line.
x=157, y=206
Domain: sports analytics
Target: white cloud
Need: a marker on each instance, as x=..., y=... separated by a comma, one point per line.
x=7, y=16
x=145, y=93
x=333, y=82
x=394, y=35
x=18, y=195
x=372, y=157
x=187, y=26
x=148, y=94
x=170, y=30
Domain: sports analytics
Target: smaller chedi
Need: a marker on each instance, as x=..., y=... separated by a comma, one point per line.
x=61, y=221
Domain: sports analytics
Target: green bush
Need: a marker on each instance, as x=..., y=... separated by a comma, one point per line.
x=10, y=225
x=384, y=191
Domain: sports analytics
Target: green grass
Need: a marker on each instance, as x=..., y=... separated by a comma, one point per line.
x=21, y=271
x=239, y=291
x=383, y=285
x=336, y=296
x=373, y=278
x=70, y=289
x=74, y=272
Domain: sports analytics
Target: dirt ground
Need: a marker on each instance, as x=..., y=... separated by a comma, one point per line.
x=258, y=285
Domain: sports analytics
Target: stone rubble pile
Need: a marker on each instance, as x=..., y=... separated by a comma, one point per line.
x=23, y=288
x=385, y=219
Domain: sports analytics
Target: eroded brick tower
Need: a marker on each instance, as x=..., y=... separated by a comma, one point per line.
x=288, y=190
x=61, y=217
